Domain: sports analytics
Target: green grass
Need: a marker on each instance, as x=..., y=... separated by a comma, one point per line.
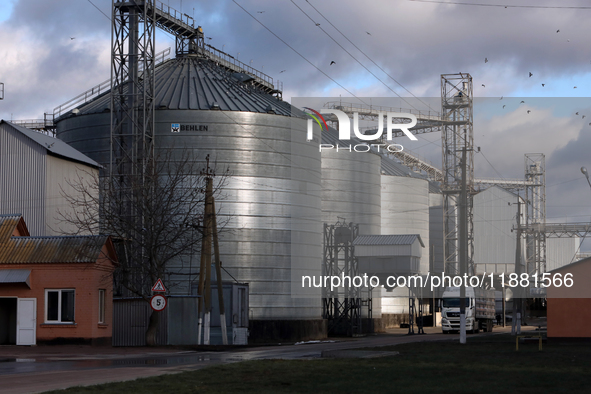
x=483, y=365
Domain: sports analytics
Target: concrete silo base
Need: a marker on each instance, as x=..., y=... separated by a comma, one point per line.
x=265, y=331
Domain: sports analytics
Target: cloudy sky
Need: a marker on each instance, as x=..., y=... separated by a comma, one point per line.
x=53, y=50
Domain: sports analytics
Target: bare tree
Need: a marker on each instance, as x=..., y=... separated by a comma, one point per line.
x=149, y=216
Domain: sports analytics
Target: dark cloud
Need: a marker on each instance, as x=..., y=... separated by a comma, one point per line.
x=51, y=21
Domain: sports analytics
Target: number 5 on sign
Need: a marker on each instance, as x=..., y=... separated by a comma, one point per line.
x=158, y=302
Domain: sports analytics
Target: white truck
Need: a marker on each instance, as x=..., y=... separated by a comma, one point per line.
x=480, y=309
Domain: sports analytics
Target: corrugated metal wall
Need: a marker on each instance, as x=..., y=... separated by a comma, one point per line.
x=495, y=213
x=560, y=252
x=405, y=210
x=183, y=320
x=23, y=178
x=62, y=176
x=130, y=321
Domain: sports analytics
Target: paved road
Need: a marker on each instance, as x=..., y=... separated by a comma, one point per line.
x=33, y=374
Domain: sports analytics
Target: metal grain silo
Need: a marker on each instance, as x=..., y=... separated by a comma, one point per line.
x=351, y=192
x=404, y=210
x=350, y=185
x=272, y=200
x=405, y=204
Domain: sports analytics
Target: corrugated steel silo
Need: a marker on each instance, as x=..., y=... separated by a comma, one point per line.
x=271, y=201
x=350, y=185
x=405, y=204
x=404, y=210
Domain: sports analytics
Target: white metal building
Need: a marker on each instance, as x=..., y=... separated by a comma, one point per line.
x=37, y=171
x=495, y=212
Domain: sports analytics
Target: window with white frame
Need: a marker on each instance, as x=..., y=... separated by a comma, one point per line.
x=59, y=305
x=101, y=316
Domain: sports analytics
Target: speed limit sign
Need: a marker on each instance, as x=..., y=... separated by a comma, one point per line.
x=158, y=302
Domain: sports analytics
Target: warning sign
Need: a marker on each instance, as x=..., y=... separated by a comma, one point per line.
x=159, y=286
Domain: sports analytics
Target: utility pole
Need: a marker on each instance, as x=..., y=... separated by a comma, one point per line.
x=516, y=318
x=210, y=238
x=463, y=245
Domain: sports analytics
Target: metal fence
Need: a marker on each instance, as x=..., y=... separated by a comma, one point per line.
x=130, y=322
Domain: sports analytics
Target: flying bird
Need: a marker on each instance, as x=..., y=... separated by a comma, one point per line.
x=209, y=38
x=260, y=12
x=282, y=71
x=543, y=84
x=72, y=38
x=558, y=31
x=522, y=102
x=483, y=86
x=528, y=111
x=530, y=74
x=575, y=87
x=318, y=24
x=504, y=106
x=576, y=113
x=333, y=62
x=584, y=116
x=486, y=60
x=368, y=33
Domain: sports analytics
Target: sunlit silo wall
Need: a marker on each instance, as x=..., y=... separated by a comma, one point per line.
x=404, y=210
x=405, y=205
x=350, y=186
x=351, y=193
x=272, y=199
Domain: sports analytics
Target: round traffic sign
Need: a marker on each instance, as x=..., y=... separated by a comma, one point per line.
x=158, y=302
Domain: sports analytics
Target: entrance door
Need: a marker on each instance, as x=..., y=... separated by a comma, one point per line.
x=26, y=312
x=8, y=320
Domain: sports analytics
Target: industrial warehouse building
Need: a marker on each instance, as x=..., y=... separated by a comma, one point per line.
x=37, y=173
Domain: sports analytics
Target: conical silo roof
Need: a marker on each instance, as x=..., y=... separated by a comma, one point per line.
x=194, y=83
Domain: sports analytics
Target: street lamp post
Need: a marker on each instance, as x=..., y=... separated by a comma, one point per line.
x=584, y=171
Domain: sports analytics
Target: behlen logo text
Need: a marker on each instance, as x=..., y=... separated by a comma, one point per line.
x=177, y=127
x=345, y=130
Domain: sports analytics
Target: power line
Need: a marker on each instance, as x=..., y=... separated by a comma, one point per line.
x=299, y=54
x=370, y=59
x=489, y=163
x=99, y=10
x=349, y=53
x=504, y=5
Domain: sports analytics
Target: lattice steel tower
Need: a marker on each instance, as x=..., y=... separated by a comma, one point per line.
x=341, y=306
x=133, y=39
x=457, y=140
x=133, y=56
x=132, y=92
